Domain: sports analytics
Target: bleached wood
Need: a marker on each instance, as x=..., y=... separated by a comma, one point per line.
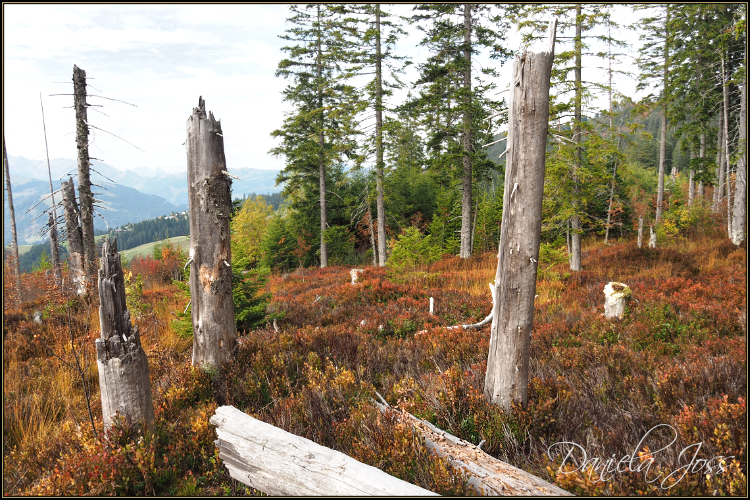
x=518, y=254
x=75, y=237
x=489, y=476
x=209, y=198
x=123, y=366
x=277, y=462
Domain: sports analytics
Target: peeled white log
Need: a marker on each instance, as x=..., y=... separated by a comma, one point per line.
x=355, y=275
x=277, y=462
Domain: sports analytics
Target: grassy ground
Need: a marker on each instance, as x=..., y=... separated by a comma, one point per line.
x=148, y=249
x=676, y=364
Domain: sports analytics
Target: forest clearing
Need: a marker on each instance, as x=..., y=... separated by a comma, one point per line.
x=531, y=289
x=678, y=358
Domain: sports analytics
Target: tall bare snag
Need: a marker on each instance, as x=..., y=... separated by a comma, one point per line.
x=515, y=281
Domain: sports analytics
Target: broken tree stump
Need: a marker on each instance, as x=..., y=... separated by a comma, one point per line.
x=506, y=380
x=355, y=275
x=75, y=237
x=210, y=201
x=615, y=296
x=277, y=462
x=123, y=366
x=488, y=475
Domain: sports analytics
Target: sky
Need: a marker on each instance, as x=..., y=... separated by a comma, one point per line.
x=160, y=59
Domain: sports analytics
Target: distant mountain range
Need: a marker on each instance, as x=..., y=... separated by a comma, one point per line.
x=130, y=196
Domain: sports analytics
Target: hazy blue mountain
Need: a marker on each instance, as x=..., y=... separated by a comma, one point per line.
x=130, y=196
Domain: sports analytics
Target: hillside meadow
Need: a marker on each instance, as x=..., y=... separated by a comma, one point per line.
x=665, y=387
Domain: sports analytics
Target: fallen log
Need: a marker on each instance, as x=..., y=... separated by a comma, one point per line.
x=277, y=462
x=488, y=475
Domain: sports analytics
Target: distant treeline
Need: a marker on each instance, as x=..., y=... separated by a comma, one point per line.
x=273, y=199
x=148, y=231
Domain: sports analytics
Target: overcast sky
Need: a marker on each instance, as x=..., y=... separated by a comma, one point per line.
x=160, y=58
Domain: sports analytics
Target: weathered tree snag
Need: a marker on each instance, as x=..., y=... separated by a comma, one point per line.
x=14, y=235
x=214, y=334
x=651, y=237
x=85, y=198
x=54, y=246
x=663, y=131
x=691, y=182
x=75, y=237
x=123, y=366
x=277, y=462
x=488, y=475
x=515, y=281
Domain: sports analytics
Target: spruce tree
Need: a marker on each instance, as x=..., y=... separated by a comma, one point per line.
x=452, y=99
x=319, y=130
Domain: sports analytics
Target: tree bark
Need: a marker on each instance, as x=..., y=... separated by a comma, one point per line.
x=739, y=215
x=321, y=159
x=640, y=231
x=728, y=173
x=701, y=188
x=379, y=140
x=663, y=142
x=506, y=380
x=465, y=251
x=75, y=237
x=14, y=234
x=719, y=189
x=575, y=220
x=691, y=181
x=209, y=195
x=85, y=198
x=123, y=366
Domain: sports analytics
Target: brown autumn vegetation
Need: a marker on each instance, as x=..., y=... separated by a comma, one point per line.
x=678, y=358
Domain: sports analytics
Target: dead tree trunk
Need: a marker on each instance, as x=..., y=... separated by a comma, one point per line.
x=14, y=234
x=515, y=281
x=700, y=190
x=123, y=366
x=277, y=462
x=85, y=198
x=54, y=246
x=210, y=200
x=75, y=238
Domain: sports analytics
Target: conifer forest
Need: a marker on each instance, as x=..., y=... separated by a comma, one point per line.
x=496, y=268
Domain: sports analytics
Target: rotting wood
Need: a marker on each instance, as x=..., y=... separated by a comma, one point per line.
x=277, y=462
x=506, y=379
x=75, y=237
x=488, y=475
x=123, y=366
x=209, y=198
